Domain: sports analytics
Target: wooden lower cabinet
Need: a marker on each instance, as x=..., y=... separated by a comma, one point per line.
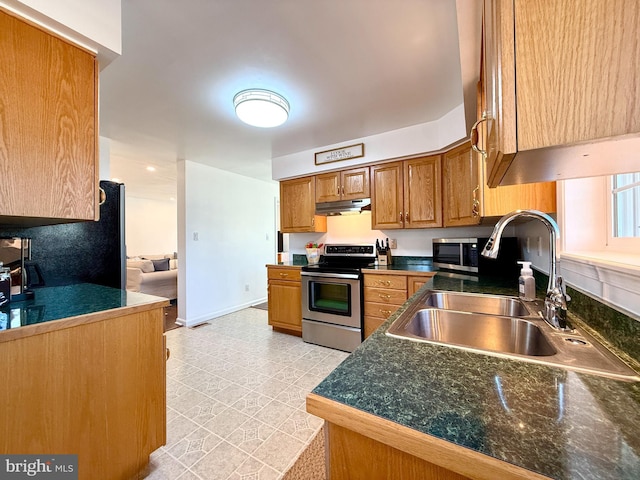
x=385, y=292
x=93, y=389
x=356, y=457
x=364, y=446
x=285, y=303
x=414, y=283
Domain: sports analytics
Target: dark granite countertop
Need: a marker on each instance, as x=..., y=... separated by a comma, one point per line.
x=57, y=303
x=556, y=422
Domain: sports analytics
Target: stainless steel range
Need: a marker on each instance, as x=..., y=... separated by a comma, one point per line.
x=332, y=296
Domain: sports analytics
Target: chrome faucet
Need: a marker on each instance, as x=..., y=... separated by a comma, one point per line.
x=555, y=302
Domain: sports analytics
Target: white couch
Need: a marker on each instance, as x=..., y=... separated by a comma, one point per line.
x=142, y=275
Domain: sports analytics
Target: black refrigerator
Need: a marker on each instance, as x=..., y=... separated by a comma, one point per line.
x=93, y=252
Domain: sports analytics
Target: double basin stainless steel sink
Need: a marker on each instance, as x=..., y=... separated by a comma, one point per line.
x=504, y=326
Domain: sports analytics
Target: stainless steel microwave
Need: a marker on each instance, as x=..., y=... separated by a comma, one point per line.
x=464, y=255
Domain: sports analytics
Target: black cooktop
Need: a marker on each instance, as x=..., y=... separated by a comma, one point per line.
x=342, y=258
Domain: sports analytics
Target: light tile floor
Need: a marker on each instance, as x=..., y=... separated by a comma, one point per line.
x=236, y=400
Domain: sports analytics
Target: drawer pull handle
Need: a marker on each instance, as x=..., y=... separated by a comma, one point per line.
x=384, y=296
x=284, y=274
x=168, y=353
x=384, y=282
x=385, y=312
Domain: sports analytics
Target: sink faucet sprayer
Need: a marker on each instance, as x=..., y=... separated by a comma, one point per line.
x=555, y=302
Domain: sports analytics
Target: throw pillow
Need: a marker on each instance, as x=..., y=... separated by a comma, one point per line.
x=161, y=265
x=145, y=265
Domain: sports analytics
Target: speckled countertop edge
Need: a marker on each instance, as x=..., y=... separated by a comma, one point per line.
x=54, y=308
x=558, y=423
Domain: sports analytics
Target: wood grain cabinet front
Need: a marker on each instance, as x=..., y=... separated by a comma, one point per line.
x=467, y=199
x=298, y=206
x=406, y=194
x=352, y=184
x=385, y=292
x=48, y=139
x=284, y=298
x=95, y=389
x=557, y=74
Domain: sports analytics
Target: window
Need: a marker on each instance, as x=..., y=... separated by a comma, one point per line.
x=625, y=191
x=623, y=212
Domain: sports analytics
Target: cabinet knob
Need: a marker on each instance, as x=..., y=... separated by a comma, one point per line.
x=400, y=217
x=313, y=221
x=475, y=138
x=406, y=216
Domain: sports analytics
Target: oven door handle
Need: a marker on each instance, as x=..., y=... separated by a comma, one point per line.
x=347, y=276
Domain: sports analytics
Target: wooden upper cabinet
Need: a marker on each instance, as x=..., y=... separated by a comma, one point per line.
x=558, y=73
x=355, y=183
x=328, y=187
x=48, y=139
x=422, y=192
x=349, y=184
x=387, y=202
x=461, y=187
x=406, y=194
x=297, y=207
x=577, y=81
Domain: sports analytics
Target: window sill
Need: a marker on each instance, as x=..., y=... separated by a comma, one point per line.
x=613, y=278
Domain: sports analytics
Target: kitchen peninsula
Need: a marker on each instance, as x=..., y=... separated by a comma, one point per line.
x=417, y=410
x=83, y=371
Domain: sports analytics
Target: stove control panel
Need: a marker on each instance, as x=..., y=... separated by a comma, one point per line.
x=364, y=250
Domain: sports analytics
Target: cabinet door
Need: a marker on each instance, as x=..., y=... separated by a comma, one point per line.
x=422, y=192
x=328, y=187
x=355, y=183
x=297, y=207
x=414, y=283
x=500, y=89
x=578, y=81
x=48, y=139
x=499, y=201
x=387, y=208
x=285, y=305
x=461, y=187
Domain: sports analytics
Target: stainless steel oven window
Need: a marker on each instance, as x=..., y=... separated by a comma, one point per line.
x=330, y=297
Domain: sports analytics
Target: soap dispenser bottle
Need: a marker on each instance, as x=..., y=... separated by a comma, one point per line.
x=526, y=282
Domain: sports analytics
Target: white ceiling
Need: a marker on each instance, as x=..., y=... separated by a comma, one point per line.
x=349, y=69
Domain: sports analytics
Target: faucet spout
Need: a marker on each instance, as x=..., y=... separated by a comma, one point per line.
x=555, y=299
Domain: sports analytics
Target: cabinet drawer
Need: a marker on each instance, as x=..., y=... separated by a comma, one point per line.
x=397, y=282
x=385, y=295
x=277, y=273
x=380, y=310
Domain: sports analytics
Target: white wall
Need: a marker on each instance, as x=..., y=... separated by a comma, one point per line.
x=96, y=24
x=151, y=226
x=413, y=140
x=357, y=229
x=234, y=219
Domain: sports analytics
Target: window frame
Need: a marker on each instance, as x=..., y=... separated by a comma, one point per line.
x=617, y=244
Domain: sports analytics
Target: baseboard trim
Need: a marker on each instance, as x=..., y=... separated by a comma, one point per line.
x=192, y=322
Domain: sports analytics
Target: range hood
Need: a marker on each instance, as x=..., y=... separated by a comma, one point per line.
x=343, y=207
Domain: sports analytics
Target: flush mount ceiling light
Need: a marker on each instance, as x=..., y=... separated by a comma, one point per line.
x=261, y=108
